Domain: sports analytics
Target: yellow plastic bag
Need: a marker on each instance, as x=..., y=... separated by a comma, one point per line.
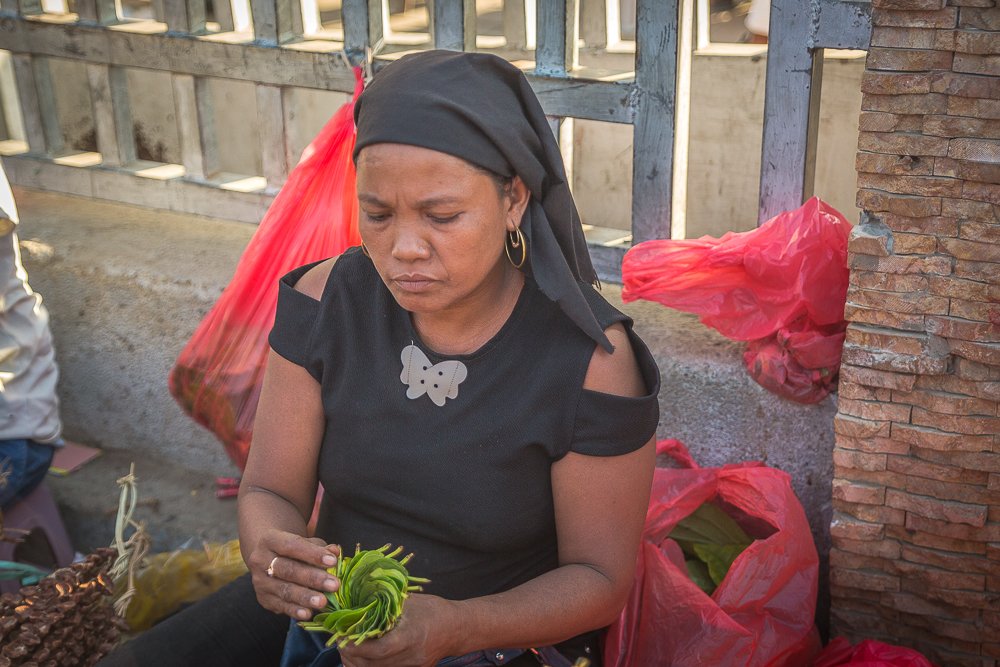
x=171, y=580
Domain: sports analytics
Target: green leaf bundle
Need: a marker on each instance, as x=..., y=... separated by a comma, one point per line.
x=373, y=586
x=711, y=541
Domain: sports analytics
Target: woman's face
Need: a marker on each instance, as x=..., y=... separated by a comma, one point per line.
x=434, y=225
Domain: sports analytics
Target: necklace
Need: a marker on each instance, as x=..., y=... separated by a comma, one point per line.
x=439, y=381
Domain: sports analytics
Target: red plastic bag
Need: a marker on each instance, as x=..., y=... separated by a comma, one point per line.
x=783, y=285
x=869, y=653
x=762, y=612
x=217, y=376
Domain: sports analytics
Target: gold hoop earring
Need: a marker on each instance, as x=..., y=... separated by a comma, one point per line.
x=515, y=240
x=364, y=251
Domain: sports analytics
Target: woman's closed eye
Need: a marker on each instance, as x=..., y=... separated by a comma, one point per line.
x=443, y=218
x=375, y=216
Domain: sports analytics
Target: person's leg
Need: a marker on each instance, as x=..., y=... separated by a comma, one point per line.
x=227, y=628
x=13, y=468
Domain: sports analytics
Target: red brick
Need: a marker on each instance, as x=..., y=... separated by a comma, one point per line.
x=914, y=467
x=908, y=60
x=872, y=598
x=958, y=531
x=914, y=244
x=970, y=250
x=976, y=41
x=853, y=427
x=944, y=18
x=929, y=186
x=977, y=311
x=862, y=393
x=882, y=318
x=922, y=539
x=947, y=403
x=969, y=425
x=900, y=303
x=985, y=353
x=873, y=581
x=983, y=232
x=888, y=282
x=992, y=650
x=954, y=126
x=977, y=270
x=879, y=548
x=875, y=411
x=917, y=573
x=902, y=143
x=847, y=561
x=993, y=553
x=867, y=494
x=993, y=484
x=906, y=205
x=879, y=121
x=967, y=459
x=903, y=38
x=846, y=527
x=938, y=626
x=909, y=5
x=940, y=650
x=963, y=169
x=872, y=445
x=972, y=3
x=926, y=362
x=936, y=265
x=929, y=438
x=859, y=460
x=963, y=62
x=964, y=85
x=901, y=342
x=886, y=478
x=985, y=192
x=959, y=288
x=896, y=83
x=991, y=619
x=882, y=163
x=937, y=225
x=935, y=508
x=888, y=516
x=971, y=210
x=927, y=103
x=945, y=560
x=952, y=327
x=953, y=598
x=957, y=385
x=979, y=19
x=962, y=106
x=867, y=240
x=962, y=493
x=875, y=378
x=920, y=604
x=975, y=371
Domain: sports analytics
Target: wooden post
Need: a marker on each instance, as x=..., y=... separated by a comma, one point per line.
x=453, y=24
x=99, y=78
x=222, y=12
x=186, y=16
x=364, y=27
x=519, y=20
x=29, y=7
x=31, y=112
x=791, y=109
x=196, y=126
x=122, y=111
x=271, y=131
x=102, y=12
x=594, y=22
x=557, y=52
x=272, y=21
x=652, y=138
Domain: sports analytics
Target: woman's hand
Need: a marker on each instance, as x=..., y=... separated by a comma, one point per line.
x=422, y=637
x=298, y=578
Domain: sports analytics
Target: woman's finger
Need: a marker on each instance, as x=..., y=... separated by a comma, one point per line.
x=285, y=569
x=289, y=598
x=296, y=547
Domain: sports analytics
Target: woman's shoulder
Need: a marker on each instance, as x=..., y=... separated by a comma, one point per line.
x=313, y=279
x=313, y=282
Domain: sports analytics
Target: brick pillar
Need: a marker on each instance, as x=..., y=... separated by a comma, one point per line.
x=916, y=493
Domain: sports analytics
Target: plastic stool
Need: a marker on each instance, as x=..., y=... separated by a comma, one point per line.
x=36, y=512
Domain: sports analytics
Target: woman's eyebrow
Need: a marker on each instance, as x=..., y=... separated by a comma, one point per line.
x=441, y=200
x=370, y=199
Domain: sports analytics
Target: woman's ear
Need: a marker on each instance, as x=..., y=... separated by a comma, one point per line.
x=517, y=199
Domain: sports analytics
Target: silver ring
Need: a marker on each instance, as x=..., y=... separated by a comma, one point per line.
x=270, y=568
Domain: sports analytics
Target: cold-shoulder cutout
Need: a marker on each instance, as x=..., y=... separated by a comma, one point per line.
x=314, y=281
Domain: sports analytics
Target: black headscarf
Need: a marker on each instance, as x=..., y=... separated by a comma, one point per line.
x=480, y=108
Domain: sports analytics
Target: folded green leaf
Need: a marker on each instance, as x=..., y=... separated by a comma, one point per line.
x=711, y=541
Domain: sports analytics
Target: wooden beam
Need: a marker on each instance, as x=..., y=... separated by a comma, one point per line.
x=652, y=139
x=271, y=133
x=122, y=110
x=195, y=126
x=791, y=110
x=31, y=112
x=558, y=26
x=519, y=21
x=222, y=12
x=99, y=79
x=453, y=24
x=365, y=23
x=185, y=16
x=273, y=21
x=842, y=24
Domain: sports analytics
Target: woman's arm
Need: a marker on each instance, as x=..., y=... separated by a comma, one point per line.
x=279, y=486
x=600, y=507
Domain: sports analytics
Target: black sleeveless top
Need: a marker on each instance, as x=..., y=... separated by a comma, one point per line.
x=464, y=485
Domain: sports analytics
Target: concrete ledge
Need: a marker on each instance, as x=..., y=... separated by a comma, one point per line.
x=126, y=287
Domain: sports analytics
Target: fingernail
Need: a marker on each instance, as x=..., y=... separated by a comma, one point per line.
x=303, y=613
x=330, y=584
x=317, y=600
x=329, y=560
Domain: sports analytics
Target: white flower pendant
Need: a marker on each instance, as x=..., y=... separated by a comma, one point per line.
x=439, y=381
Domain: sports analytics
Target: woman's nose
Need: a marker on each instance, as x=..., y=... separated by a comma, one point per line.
x=409, y=245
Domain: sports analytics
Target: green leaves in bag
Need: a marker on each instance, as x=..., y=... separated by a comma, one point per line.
x=369, y=602
x=711, y=541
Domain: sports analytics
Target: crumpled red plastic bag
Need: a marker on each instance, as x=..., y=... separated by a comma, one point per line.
x=761, y=614
x=782, y=285
x=869, y=653
x=217, y=377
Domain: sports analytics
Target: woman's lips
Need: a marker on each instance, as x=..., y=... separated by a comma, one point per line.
x=413, y=282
